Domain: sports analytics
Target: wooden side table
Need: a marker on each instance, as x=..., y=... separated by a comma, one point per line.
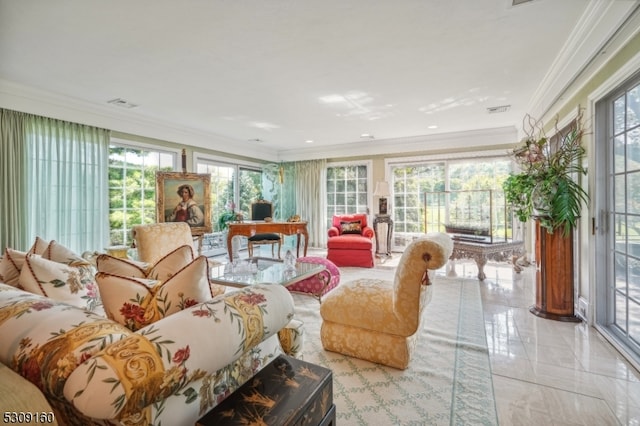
x=385, y=248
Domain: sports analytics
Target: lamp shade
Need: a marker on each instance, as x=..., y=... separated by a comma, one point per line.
x=382, y=189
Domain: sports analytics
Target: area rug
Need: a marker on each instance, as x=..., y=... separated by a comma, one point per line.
x=448, y=381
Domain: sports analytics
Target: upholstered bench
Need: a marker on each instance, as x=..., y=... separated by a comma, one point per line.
x=319, y=284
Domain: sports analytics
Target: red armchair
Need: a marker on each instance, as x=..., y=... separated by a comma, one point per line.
x=350, y=241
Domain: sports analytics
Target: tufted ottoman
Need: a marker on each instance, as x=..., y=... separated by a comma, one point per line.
x=321, y=283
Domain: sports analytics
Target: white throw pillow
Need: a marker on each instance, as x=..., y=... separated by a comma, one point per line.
x=11, y=265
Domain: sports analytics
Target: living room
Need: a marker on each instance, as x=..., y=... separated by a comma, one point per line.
x=584, y=66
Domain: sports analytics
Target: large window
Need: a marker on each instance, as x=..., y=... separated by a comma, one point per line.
x=347, y=190
x=225, y=178
x=412, y=180
x=132, y=187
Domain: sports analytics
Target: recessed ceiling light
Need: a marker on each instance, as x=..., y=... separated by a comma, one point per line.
x=367, y=136
x=433, y=126
x=308, y=141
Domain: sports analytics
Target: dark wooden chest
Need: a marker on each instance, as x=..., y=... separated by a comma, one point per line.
x=288, y=391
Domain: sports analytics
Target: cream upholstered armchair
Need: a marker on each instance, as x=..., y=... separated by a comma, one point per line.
x=379, y=320
x=156, y=240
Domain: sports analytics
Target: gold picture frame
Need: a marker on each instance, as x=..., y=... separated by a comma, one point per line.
x=194, y=207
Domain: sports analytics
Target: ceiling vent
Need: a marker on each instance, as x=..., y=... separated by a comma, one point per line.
x=498, y=109
x=122, y=103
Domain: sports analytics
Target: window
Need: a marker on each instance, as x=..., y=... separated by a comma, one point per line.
x=411, y=180
x=223, y=184
x=132, y=187
x=347, y=190
x=409, y=183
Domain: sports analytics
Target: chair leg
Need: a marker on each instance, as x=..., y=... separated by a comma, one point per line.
x=250, y=249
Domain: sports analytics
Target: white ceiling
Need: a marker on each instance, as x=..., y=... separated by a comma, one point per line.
x=220, y=73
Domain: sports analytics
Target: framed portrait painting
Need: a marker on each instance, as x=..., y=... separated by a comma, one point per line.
x=184, y=197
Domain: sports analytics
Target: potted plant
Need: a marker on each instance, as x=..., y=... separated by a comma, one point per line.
x=224, y=218
x=546, y=188
x=547, y=191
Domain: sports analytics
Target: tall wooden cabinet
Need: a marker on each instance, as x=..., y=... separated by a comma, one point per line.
x=554, y=275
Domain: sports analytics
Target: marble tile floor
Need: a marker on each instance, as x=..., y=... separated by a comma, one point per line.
x=547, y=372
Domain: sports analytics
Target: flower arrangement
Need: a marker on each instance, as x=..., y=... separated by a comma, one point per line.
x=547, y=186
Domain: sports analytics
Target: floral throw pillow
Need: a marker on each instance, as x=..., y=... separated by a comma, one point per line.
x=138, y=302
x=351, y=227
x=74, y=285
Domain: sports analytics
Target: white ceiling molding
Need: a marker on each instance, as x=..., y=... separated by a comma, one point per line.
x=21, y=98
x=631, y=29
x=595, y=28
x=446, y=141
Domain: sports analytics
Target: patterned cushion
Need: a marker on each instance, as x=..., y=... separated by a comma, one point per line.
x=11, y=265
x=354, y=227
x=137, y=302
x=74, y=285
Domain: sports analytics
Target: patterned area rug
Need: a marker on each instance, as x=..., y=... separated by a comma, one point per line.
x=448, y=381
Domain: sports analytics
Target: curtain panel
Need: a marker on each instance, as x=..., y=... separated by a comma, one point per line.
x=13, y=181
x=310, y=193
x=54, y=182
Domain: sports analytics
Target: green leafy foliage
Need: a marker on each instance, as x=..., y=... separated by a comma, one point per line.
x=547, y=187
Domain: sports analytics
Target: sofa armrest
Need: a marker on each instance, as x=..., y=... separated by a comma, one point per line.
x=164, y=357
x=18, y=395
x=367, y=231
x=333, y=232
x=43, y=340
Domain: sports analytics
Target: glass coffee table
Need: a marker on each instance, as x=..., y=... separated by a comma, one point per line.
x=261, y=270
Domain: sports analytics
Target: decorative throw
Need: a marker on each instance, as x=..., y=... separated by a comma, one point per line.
x=351, y=227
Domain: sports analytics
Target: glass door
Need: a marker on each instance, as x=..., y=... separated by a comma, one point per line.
x=618, y=264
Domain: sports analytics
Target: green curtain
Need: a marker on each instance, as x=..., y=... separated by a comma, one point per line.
x=310, y=194
x=67, y=199
x=53, y=182
x=13, y=229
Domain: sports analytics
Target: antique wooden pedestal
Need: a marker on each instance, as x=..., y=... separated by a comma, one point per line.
x=288, y=391
x=554, y=275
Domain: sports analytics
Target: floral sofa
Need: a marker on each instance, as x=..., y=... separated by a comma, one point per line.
x=170, y=369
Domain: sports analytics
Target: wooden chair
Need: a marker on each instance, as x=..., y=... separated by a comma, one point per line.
x=261, y=210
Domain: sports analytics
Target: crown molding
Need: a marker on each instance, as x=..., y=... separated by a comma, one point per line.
x=34, y=101
x=594, y=30
x=415, y=144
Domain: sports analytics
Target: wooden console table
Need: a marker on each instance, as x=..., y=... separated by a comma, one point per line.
x=249, y=228
x=482, y=252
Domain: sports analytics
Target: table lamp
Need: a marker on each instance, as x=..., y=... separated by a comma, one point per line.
x=382, y=191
